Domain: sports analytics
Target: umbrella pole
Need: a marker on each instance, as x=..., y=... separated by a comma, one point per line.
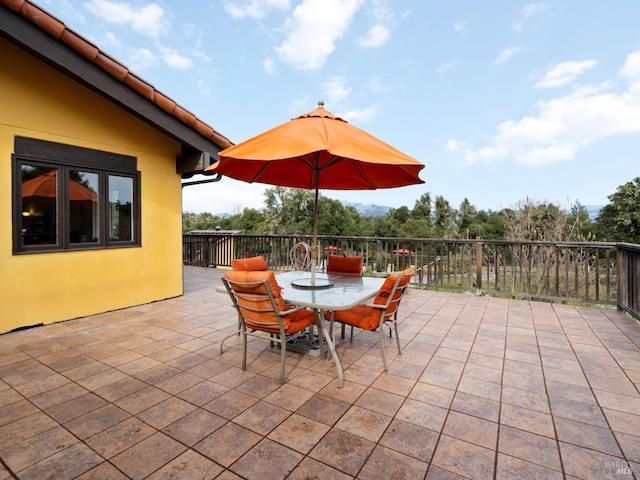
x=314, y=242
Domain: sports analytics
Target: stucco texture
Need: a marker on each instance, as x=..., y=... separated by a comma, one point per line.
x=40, y=102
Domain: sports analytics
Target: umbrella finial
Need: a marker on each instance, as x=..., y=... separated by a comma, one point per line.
x=321, y=103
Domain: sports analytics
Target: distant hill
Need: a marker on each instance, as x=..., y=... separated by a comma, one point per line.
x=371, y=210
x=593, y=210
x=365, y=210
x=368, y=210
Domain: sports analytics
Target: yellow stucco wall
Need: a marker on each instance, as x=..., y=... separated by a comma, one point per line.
x=36, y=101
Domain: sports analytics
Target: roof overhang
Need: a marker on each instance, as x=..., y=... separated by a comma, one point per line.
x=198, y=151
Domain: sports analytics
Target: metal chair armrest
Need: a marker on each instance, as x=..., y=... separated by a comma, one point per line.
x=291, y=310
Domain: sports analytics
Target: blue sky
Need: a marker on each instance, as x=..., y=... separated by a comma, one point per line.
x=501, y=100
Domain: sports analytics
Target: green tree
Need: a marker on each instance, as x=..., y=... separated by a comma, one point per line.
x=474, y=223
x=443, y=221
x=579, y=226
x=422, y=208
x=203, y=221
x=619, y=220
x=467, y=221
x=415, y=228
x=251, y=221
x=400, y=215
x=288, y=210
x=494, y=225
x=333, y=218
x=383, y=226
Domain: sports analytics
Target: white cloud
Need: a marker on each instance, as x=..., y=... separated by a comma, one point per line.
x=335, y=90
x=563, y=126
x=460, y=26
x=204, y=86
x=142, y=59
x=359, y=114
x=222, y=196
x=174, y=60
x=375, y=37
x=452, y=145
x=380, y=32
x=313, y=30
x=110, y=39
x=375, y=86
x=300, y=106
x=150, y=19
x=506, y=54
x=443, y=67
x=631, y=68
x=533, y=9
x=565, y=73
x=269, y=66
x=202, y=56
x=255, y=9
x=528, y=10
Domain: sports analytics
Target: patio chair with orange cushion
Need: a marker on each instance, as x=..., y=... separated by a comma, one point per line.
x=262, y=311
x=248, y=264
x=382, y=312
x=344, y=265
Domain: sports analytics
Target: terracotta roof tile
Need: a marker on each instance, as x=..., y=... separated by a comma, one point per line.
x=185, y=115
x=79, y=44
x=139, y=85
x=59, y=31
x=49, y=24
x=14, y=4
x=111, y=66
x=163, y=102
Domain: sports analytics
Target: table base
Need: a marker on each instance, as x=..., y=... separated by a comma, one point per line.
x=307, y=343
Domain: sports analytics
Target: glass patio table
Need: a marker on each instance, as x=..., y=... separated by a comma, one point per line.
x=335, y=292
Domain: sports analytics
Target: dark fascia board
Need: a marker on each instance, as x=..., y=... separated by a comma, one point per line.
x=28, y=36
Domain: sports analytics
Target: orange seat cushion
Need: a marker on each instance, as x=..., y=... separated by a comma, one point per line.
x=250, y=264
x=339, y=264
x=368, y=318
x=293, y=322
x=361, y=316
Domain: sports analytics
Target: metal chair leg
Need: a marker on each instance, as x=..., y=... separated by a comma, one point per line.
x=283, y=356
x=232, y=335
x=381, y=340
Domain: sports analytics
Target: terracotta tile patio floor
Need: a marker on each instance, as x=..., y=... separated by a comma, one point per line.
x=484, y=388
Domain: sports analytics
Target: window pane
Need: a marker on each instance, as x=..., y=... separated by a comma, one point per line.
x=120, y=208
x=83, y=206
x=40, y=197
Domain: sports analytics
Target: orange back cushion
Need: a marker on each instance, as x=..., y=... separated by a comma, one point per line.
x=385, y=289
x=387, y=286
x=342, y=265
x=257, y=276
x=250, y=264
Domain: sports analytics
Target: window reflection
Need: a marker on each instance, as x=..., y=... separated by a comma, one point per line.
x=120, y=208
x=83, y=206
x=39, y=205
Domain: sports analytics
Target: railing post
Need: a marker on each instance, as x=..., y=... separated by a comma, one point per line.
x=622, y=277
x=379, y=255
x=479, y=268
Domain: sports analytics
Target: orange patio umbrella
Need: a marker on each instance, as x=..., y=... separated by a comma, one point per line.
x=315, y=151
x=403, y=251
x=45, y=187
